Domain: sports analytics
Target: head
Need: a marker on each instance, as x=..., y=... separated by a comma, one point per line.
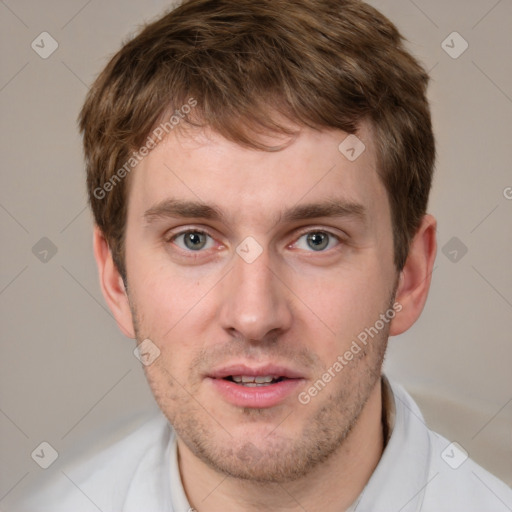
x=235, y=231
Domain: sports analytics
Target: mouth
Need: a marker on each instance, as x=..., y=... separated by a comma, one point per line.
x=251, y=387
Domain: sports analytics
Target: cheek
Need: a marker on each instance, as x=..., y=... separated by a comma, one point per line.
x=337, y=306
x=167, y=304
x=162, y=293
x=171, y=309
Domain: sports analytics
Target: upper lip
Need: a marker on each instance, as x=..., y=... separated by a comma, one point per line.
x=255, y=371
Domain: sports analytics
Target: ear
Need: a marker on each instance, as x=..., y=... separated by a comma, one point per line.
x=415, y=277
x=112, y=284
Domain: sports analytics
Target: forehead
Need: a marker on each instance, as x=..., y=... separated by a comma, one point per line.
x=244, y=184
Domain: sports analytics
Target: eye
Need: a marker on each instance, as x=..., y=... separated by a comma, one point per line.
x=192, y=240
x=318, y=241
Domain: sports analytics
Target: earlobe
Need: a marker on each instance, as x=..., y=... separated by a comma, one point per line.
x=112, y=284
x=415, y=277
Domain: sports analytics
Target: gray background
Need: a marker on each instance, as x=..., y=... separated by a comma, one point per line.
x=68, y=375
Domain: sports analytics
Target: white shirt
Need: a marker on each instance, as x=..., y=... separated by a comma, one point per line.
x=419, y=471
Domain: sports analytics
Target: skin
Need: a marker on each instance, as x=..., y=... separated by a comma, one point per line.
x=292, y=305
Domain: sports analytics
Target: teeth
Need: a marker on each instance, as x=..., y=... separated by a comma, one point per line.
x=253, y=381
x=260, y=380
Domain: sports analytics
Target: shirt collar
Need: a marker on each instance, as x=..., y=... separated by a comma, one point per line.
x=388, y=409
x=399, y=480
x=179, y=500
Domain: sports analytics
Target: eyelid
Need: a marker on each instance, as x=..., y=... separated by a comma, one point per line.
x=170, y=235
x=319, y=229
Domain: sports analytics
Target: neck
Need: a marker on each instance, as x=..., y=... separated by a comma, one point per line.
x=331, y=486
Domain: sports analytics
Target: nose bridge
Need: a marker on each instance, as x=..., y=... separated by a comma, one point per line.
x=254, y=301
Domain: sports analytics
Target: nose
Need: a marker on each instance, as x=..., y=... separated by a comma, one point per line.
x=256, y=304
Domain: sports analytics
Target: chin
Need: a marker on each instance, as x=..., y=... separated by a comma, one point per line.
x=262, y=466
x=264, y=455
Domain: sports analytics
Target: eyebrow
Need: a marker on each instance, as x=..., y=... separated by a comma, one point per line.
x=176, y=208
x=328, y=208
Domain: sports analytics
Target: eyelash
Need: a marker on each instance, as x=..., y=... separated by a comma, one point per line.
x=174, y=236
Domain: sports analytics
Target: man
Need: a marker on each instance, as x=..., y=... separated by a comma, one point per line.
x=259, y=174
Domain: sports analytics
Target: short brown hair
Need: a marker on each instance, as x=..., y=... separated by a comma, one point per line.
x=246, y=63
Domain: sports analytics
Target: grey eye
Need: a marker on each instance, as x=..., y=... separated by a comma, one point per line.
x=317, y=240
x=193, y=240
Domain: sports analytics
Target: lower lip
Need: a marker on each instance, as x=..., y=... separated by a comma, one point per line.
x=258, y=397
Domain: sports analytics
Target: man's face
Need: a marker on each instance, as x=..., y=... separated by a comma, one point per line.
x=293, y=259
